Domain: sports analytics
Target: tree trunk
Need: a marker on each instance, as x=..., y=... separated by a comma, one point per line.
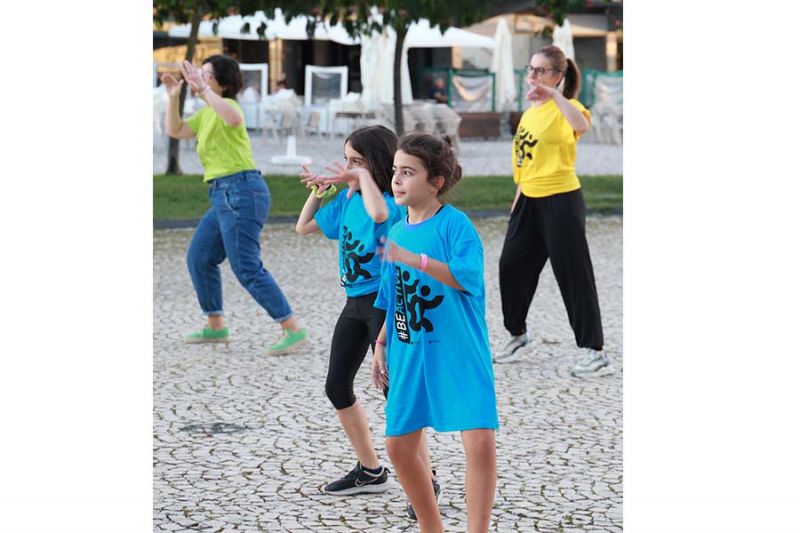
x=174, y=152
x=399, y=127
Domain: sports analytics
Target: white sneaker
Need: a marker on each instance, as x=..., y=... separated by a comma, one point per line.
x=511, y=351
x=593, y=363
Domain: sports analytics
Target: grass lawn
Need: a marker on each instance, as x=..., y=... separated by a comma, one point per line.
x=185, y=197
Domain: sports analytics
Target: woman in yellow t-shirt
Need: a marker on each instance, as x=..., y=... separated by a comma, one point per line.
x=548, y=216
x=239, y=201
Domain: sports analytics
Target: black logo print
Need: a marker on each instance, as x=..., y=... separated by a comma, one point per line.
x=523, y=145
x=353, y=257
x=410, y=307
x=417, y=307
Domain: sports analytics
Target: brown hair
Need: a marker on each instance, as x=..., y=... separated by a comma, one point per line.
x=437, y=156
x=563, y=64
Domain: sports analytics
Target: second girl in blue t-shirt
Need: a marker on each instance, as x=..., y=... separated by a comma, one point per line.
x=358, y=219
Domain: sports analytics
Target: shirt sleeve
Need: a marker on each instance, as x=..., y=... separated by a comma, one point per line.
x=194, y=121
x=466, y=255
x=238, y=107
x=586, y=113
x=329, y=217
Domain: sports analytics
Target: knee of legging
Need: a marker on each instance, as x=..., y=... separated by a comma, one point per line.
x=340, y=395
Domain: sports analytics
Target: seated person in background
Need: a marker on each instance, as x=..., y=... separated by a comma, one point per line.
x=438, y=92
x=282, y=91
x=252, y=93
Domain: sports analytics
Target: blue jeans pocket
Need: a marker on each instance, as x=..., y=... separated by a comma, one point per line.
x=261, y=205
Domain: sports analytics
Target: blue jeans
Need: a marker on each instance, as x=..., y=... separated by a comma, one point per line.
x=231, y=228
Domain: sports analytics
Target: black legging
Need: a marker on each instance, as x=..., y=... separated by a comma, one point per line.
x=356, y=330
x=553, y=227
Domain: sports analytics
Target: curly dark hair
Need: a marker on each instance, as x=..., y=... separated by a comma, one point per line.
x=227, y=74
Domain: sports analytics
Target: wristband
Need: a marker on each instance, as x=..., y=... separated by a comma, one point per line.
x=327, y=193
x=423, y=262
x=378, y=341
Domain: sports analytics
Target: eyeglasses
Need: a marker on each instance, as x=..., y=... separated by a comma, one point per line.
x=539, y=71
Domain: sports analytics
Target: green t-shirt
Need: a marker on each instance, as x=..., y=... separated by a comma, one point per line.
x=223, y=150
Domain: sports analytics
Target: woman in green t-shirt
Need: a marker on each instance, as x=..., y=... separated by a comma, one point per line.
x=239, y=201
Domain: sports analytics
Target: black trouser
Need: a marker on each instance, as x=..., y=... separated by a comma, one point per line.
x=552, y=227
x=356, y=330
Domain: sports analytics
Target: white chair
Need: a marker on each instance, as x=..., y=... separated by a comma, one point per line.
x=312, y=125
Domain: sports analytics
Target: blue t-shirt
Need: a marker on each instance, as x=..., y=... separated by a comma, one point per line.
x=437, y=342
x=346, y=219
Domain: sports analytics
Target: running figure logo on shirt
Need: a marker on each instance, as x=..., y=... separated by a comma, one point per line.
x=410, y=307
x=523, y=145
x=351, y=260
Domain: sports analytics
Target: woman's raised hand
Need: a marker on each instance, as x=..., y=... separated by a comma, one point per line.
x=173, y=86
x=540, y=91
x=193, y=76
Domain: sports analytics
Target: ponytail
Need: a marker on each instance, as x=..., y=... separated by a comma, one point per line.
x=572, y=80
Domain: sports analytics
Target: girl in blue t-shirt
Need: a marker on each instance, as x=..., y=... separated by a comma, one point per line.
x=433, y=350
x=358, y=219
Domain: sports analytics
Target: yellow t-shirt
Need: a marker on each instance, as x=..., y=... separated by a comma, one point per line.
x=543, y=154
x=223, y=150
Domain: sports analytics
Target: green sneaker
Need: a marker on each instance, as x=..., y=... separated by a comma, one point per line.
x=207, y=335
x=289, y=340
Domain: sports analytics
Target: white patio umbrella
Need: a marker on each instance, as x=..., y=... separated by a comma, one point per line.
x=562, y=37
x=377, y=70
x=377, y=57
x=503, y=67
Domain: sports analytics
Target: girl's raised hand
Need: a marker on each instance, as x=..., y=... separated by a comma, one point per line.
x=380, y=374
x=308, y=178
x=339, y=174
x=173, y=86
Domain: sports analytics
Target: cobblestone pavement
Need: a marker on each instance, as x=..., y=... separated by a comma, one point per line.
x=244, y=441
x=477, y=157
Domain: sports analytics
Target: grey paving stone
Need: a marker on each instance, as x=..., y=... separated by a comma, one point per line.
x=559, y=446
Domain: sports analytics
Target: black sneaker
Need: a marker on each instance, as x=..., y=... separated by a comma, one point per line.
x=437, y=491
x=359, y=481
